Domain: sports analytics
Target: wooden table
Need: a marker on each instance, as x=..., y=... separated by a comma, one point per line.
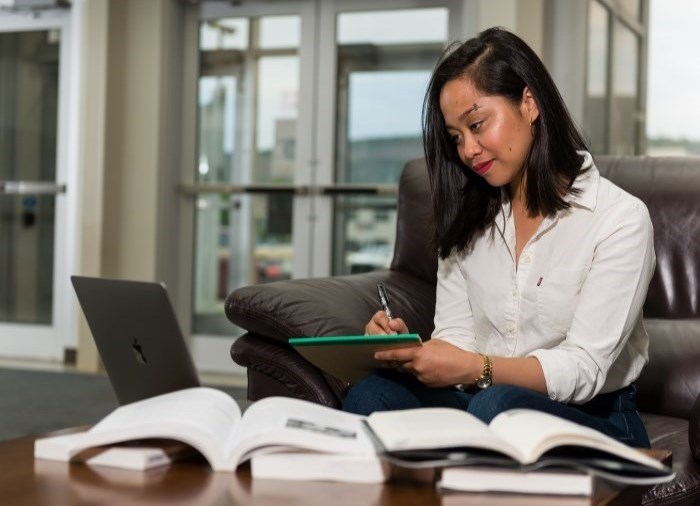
x=26, y=481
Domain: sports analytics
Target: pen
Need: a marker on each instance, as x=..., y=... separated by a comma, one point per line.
x=384, y=299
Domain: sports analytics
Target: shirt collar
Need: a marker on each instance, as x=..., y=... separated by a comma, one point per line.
x=586, y=183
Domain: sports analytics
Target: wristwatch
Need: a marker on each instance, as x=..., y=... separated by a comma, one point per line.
x=485, y=380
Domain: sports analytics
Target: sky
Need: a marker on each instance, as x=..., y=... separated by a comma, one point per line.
x=673, y=83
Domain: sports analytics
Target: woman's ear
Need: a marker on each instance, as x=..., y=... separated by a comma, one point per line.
x=529, y=107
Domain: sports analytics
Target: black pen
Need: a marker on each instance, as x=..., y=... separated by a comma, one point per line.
x=384, y=299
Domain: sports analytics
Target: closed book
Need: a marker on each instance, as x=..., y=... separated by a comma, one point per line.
x=317, y=466
x=493, y=479
x=135, y=455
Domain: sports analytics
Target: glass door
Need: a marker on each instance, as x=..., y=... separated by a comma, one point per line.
x=384, y=62
x=307, y=111
x=32, y=194
x=243, y=189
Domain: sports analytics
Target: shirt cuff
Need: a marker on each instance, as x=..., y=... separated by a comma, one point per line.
x=556, y=382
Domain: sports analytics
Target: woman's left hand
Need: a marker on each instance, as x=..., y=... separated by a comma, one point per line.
x=437, y=363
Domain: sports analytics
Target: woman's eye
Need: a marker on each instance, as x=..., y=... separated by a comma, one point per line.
x=455, y=139
x=475, y=126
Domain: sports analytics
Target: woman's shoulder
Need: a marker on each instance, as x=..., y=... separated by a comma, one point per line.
x=607, y=201
x=619, y=209
x=610, y=195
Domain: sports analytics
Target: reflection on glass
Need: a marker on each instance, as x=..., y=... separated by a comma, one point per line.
x=225, y=262
x=28, y=120
x=384, y=63
x=596, y=112
x=280, y=32
x=624, y=122
x=278, y=92
x=248, y=109
x=393, y=27
x=365, y=233
x=224, y=34
x=384, y=129
x=217, y=120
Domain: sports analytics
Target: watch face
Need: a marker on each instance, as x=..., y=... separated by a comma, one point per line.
x=484, y=382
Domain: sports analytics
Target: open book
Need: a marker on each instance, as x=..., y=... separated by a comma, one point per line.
x=350, y=358
x=519, y=438
x=211, y=422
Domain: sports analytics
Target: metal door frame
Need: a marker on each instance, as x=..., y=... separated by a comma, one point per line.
x=49, y=342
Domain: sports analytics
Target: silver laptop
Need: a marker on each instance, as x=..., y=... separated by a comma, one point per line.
x=137, y=335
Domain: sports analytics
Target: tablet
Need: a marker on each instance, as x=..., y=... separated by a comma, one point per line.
x=350, y=358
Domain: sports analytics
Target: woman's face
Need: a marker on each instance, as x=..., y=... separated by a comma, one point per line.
x=492, y=135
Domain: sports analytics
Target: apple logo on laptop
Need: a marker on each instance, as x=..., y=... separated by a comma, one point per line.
x=138, y=352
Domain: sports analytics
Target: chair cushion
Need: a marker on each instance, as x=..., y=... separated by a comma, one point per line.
x=670, y=382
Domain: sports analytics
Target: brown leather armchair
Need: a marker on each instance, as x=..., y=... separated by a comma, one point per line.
x=668, y=387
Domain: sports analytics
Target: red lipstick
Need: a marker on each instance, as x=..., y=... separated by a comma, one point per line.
x=483, y=168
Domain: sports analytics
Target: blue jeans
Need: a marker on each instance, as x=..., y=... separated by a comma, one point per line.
x=614, y=414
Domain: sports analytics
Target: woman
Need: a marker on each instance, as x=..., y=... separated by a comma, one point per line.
x=543, y=264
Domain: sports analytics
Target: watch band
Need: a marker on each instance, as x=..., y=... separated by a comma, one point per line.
x=486, y=379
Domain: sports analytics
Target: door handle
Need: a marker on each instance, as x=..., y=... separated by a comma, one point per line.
x=31, y=188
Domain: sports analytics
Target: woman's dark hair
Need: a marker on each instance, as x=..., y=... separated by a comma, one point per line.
x=496, y=62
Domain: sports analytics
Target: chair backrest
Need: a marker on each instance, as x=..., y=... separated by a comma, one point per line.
x=413, y=252
x=670, y=188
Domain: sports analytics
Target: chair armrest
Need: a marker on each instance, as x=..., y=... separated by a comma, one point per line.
x=292, y=375
x=339, y=305
x=694, y=430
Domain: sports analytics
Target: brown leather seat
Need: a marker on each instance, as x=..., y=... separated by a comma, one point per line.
x=669, y=385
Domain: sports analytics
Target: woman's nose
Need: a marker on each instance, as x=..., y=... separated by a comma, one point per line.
x=470, y=148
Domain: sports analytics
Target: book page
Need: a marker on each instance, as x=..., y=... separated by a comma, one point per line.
x=535, y=433
x=204, y=418
x=276, y=422
x=425, y=428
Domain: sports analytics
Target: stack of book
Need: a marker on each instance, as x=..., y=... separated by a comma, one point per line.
x=519, y=451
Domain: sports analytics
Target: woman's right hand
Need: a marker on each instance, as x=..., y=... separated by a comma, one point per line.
x=381, y=324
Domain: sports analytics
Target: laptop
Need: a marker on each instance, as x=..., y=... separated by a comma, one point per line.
x=137, y=336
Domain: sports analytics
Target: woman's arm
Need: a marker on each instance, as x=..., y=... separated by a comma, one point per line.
x=454, y=321
x=609, y=308
x=439, y=364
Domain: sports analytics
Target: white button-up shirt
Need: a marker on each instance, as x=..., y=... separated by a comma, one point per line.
x=573, y=301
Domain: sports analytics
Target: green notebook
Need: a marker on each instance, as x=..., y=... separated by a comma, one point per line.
x=350, y=358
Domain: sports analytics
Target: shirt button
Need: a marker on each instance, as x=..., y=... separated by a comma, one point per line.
x=526, y=259
x=510, y=327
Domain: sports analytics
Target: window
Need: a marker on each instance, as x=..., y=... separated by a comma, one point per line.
x=595, y=120
x=613, y=117
x=673, y=78
x=248, y=93
x=297, y=165
x=624, y=131
x=384, y=63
